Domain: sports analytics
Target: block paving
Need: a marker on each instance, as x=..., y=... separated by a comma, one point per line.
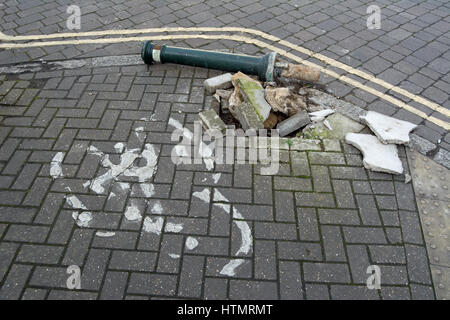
x=316, y=226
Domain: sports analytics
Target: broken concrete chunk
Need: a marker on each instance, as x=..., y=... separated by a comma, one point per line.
x=210, y=120
x=283, y=100
x=301, y=72
x=247, y=116
x=253, y=93
x=377, y=156
x=220, y=82
x=224, y=94
x=388, y=129
x=340, y=124
x=215, y=103
x=297, y=121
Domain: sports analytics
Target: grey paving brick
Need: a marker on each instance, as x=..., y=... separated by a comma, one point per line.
x=326, y=272
x=321, y=179
x=299, y=251
x=152, y=284
x=364, y=235
x=333, y=243
x=418, y=268
x=78, y=247
x=15, y=282
x=40, y=254
x=387, y=254
x=191, y=280
x=114, y=285
x=26, y=233
x=34, y=294
x=265, y=260
x=339, y=216
x=293, y=184
x=215, y=289
x=317, y=291
x=309, y=199
x=410, y=225
x=255, y=290
x=291, y=287
x=368, y=210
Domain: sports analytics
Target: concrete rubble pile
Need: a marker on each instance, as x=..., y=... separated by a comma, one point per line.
x=305, y=112
x=252, y=104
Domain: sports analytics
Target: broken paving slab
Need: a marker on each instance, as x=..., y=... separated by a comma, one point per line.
x=211, y=120
x=220, y=82
x=253, y=93
x=247, y=116
x=340, y=125
x=388, y=129
x=291, y=124
x=377, y=156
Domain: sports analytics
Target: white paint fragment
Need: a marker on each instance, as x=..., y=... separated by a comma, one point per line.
x=87, y=184
x=157, y=208
x=388, y=129
x=191, y=243
x=318, y=116
x=225, y=207
x=327, y=124
x=83, y=219
x=102, y=234
x=173, y=227
x=174, y=256
x=139, y=129
x=203, y=195
x=126, y=160
x=93, y=150
x=407, y=178
x=219, y=197
x=153, y=226
x=230, y=268
x=75, y=203
x=148, y=189
x=377, y=156
x=112, y=195
x=146, y=172
x=133, y=213
x=246, y=233
x=55, y=166
x=119, y=147
x=216, y=177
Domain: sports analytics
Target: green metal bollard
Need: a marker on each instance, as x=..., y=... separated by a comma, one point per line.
x=263, y=66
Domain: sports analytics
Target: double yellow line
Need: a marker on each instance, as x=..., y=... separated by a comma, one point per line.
x=37, y=41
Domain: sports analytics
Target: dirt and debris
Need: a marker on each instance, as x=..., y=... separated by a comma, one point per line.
x=243, y=101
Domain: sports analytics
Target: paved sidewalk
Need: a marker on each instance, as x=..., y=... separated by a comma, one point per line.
x=316, y=226
x=411, y=50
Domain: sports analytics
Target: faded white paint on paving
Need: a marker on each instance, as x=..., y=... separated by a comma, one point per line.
x=216, y=177
x=133, y=213
x=191, y=243
x=174, y=256
x=153, y=226
x=173, y=227
x=246, y=234
x=157, y=208
x=55, y=166
x=82, y=219
x=203, y=195
x=119, y=146
x=75, y=203
x=146, y=172
x=102, y=234
x=219, y=197
x=230, y=268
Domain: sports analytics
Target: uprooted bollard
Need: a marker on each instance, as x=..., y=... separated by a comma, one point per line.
x=265, y=67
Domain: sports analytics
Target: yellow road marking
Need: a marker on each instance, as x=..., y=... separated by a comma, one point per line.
x=259, y=43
